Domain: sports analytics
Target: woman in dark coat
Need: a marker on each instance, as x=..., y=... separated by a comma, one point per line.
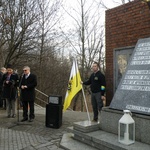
x=28, y=82
x=10, y=82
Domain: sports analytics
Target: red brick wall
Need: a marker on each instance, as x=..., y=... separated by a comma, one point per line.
x=124, y=26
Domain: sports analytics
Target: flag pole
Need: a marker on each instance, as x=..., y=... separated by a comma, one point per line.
x=86, y=104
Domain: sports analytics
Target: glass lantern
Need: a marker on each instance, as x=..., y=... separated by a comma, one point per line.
x=126, y=131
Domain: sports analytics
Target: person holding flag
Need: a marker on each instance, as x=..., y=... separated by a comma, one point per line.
x=74, y=85
x=97, y=84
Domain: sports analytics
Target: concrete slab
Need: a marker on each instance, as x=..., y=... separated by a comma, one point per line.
x=17, y=140
x=86, y=126
x=26, y=135
x=69, y=143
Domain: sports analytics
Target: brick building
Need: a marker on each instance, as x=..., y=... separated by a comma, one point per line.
x=124, y=26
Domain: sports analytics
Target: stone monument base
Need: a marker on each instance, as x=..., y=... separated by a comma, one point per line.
x=104, y=135
x=97, y=140
x=109, y=122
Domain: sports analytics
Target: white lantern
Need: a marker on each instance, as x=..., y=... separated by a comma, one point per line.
x=126, y=131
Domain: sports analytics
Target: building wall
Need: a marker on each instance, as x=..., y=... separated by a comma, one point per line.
x=124, y=26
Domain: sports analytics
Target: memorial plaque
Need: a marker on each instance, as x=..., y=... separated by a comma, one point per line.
x=133, y=92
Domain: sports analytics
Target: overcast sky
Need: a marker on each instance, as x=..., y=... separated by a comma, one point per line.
x=73, y=6
x=72, y=14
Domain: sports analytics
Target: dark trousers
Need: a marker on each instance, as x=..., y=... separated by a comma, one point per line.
x=30, y=108
x=97, y=104
x=4, y=103
x=1, y=102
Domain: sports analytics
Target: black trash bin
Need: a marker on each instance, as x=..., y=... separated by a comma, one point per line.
x=54, y=112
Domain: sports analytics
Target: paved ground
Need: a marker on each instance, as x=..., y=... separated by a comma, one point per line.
x=15, y=135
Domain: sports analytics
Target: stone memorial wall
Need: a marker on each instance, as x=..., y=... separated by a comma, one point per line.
x=133, y=92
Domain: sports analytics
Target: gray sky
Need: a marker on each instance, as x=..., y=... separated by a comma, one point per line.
x=73, y=5
x=72, y=15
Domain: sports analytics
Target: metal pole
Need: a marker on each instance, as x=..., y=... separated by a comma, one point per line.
x=86, y=104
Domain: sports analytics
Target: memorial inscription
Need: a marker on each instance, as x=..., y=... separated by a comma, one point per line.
x=133, y=92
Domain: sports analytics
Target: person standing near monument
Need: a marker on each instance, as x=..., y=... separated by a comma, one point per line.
x=27, y=83
x=2, y=71
x=10, y=81
x=97, y=84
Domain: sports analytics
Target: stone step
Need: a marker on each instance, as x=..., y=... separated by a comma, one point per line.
x=68, y=143
x=86, y=126
x=103, y=140
x=109, y=122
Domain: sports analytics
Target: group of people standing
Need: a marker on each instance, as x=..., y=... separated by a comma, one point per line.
x=11, y=84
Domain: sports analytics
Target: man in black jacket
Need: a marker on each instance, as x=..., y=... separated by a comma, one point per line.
x=97, y=83
x=28, y=82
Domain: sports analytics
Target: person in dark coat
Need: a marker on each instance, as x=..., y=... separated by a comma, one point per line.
x=97, y=83
x=28, y=82
x=2, y=71
x=10, y=82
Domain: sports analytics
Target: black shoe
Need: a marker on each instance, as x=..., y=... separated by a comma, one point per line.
x=13, y=116
x=94, y=120
x=24, y=119
x=30, y=120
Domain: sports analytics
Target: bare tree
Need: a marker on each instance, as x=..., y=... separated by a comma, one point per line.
x=87, y=39
x=47, y=21
x=18, y=28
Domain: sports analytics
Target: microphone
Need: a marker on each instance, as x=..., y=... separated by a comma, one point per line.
x=22, y=75
x=20, y=80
